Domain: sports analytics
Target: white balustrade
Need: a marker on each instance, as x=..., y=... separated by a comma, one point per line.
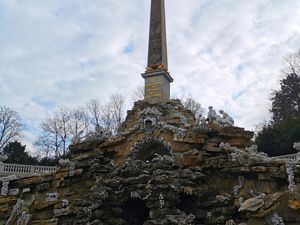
x=24, y=170
x=294, y=157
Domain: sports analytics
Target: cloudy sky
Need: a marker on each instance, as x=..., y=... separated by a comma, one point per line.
x=225, y=53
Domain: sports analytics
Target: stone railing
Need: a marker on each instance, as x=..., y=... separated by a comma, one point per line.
x=23, y=170
x=294, y=157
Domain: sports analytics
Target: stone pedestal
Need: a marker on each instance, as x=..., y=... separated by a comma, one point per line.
x=157, y=86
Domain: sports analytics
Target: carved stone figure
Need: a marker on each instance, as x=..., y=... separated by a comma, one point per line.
x=100, y=134
x=150, y=118
x=212, y=115
x=226, y=120
x=252, y=204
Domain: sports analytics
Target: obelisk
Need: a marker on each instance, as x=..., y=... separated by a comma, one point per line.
x=157, y=77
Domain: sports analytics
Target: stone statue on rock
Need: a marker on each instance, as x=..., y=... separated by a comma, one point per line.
x=212, y=116
x=252, y=204
x=100, y=134
x=226, y=120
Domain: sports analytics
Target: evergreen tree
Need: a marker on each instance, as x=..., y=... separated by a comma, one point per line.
x=286, y=101
x=277, y=137
x=16, y=154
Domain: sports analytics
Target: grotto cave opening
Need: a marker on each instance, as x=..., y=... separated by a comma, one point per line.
x=135, y=212
x=188, y=204
x=150, y=150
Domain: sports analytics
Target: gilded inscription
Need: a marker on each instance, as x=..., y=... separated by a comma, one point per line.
x=153, y=87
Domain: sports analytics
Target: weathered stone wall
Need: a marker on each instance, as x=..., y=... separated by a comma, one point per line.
x=190, y=176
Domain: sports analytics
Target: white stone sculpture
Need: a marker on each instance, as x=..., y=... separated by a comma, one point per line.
x=252, y=204
x=212, y=115
x=226, y=120
x=297, y=146
x=100, y=134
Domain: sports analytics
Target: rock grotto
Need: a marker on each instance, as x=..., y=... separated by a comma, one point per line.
x=161, y=168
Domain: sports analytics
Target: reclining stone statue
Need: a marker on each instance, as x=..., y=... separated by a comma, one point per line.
x=226, y=120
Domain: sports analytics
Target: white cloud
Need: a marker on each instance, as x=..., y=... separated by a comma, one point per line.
x=225, y=53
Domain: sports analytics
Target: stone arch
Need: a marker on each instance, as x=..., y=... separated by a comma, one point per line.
x=146, y=149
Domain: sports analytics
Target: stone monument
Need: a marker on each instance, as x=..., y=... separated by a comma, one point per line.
x=158, y=169
x=157, y=77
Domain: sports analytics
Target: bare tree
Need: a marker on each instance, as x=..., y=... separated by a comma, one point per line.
x=64, y=124
x=193, y=105
x=138, y=94
x=107, y=117
x=117, y=102
x=292, y=64
x=56, y=132
x=112, y=113
x=49, y=140
x=63, y=115
x=79, y=121
x=45, y=145
x=11, y=126
x=94, y=111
